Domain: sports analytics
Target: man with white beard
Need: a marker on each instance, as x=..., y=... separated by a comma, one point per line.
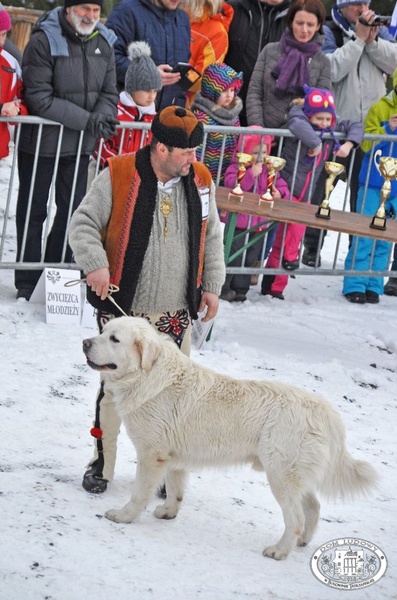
x=69, y=75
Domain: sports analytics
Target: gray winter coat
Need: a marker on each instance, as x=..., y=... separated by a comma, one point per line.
x=67, y=78
x=357, y=69
x=265, y=109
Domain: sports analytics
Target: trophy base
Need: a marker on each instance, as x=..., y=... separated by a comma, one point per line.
x=323, y=212
x=265, y=203
x=378, y=223
x=235, y=198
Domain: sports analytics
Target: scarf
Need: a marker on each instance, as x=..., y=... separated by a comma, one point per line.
x=291, y=70
x=340, y=21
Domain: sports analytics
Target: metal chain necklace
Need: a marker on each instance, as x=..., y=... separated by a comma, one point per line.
x=166, y=208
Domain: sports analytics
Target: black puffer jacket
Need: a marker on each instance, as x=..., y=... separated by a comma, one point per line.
x=67, y=78
x=254, y=25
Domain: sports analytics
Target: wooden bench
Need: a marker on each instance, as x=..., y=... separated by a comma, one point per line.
x=305, y=214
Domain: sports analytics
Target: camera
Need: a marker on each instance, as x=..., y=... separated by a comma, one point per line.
x=378, y=20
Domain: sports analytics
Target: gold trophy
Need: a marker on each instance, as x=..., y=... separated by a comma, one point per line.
x=387, y=167
x=274, y=164
x=333, y=169
x=244, y=160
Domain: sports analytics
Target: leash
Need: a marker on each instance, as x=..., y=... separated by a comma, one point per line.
x=112, y=290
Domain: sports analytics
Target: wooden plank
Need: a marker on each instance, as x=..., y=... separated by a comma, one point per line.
x=305, y=214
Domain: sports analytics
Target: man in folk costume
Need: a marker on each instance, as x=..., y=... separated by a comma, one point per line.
x=149, y=226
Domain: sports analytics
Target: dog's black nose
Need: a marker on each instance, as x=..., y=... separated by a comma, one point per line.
x=86, y=345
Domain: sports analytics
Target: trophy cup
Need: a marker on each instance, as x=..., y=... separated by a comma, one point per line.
x=387, y=167
x=333, y=169
x=274, y=164
x=244, y=160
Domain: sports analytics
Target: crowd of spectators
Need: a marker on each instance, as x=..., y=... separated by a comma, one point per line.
x=257, y=58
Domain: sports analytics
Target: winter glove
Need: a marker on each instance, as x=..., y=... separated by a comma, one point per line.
x=101, y=126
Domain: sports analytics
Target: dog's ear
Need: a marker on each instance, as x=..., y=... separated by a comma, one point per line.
x=149, y=350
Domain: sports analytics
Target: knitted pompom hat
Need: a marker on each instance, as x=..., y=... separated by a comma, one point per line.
x=217, y=78
x=142, y=73
x=5, y=19
x=318, y=100
x=177, y=127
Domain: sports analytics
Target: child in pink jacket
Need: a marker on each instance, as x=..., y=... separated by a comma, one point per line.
x=236, y=286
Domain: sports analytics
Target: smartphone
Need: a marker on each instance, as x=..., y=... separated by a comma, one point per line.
x=183, y=68
x=189, y=75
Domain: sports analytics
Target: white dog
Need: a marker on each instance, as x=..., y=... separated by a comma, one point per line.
x=180, y=415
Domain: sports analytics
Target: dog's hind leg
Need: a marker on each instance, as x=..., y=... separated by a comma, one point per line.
x=289, y=496
x=150, y=473
x=175, y=482
x=311, y=508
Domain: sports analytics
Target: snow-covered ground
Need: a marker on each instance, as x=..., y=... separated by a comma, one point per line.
x=56, y=544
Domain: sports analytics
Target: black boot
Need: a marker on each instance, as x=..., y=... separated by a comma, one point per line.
x=390, y=288
x=267, y=282
x=94, y=482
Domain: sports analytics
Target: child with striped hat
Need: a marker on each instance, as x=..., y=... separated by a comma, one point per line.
x=218, y=104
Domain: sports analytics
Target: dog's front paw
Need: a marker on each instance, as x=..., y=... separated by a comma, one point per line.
x=119, y=516
x=275, y=552
x=161, y=512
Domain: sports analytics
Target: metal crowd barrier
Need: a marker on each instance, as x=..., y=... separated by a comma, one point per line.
x=336, y=243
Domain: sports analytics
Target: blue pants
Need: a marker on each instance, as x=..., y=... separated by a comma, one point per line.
x=363, y=249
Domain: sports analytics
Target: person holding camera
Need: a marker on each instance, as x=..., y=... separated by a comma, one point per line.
x=69, y=75
x=361, y=53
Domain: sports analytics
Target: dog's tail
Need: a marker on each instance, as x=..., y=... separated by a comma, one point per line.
x=346, y=476
x=350, y=478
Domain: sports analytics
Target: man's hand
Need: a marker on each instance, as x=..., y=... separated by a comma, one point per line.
x=211, y=301
x=168, y=77
x=99, y=282
x=366, y=33
x=100, y=125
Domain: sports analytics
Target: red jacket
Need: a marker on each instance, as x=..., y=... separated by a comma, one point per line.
x=130, y=139
x=10, y=89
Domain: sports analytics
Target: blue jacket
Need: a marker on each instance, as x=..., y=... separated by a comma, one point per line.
x=166, y=31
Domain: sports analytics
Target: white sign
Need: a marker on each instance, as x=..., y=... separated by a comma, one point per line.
x=62, y=304
x=200, y=330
